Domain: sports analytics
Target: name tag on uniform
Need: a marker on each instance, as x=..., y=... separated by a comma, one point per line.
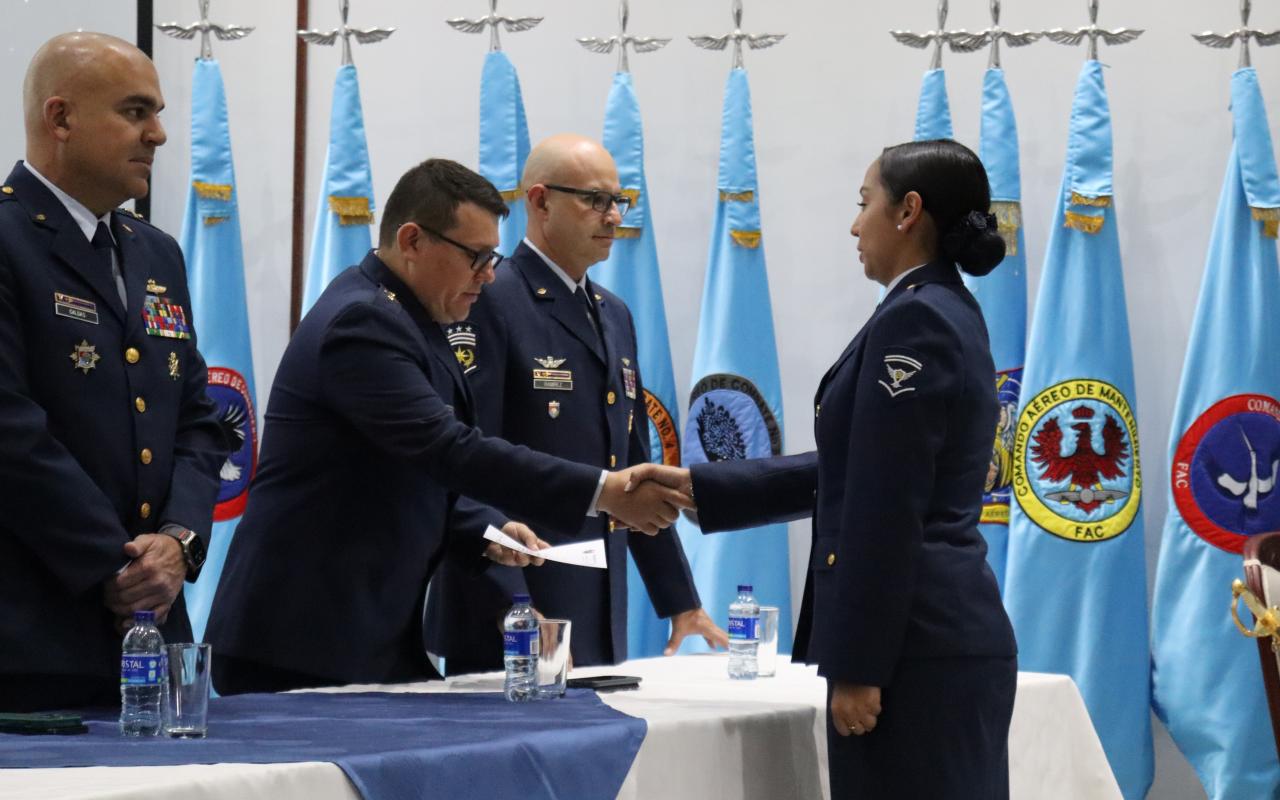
x=64, y=305
x=160, y=317
x=559, y=380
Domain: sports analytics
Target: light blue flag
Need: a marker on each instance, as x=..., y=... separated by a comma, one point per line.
x=933, y=116
x=345, y=210
x=1225, y=450
x=215, y=273
x=735, y=406
x=1003, y=296
x=504, y=142
x=631, y=272
x=1075, y=580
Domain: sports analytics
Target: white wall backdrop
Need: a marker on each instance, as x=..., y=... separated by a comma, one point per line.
x=826, y=100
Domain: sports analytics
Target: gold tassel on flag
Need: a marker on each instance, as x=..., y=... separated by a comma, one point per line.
x=351, y=210
x=1083, y=222
x=1097, y=202
x=739, y=197
x=1270, y=219
x=212, y=191
x=749, y=239
x=1008, y=221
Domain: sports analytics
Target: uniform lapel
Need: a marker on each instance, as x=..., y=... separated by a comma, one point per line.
x=69, y=243
x=608, y=336
x=133, y=263
x=549, y=289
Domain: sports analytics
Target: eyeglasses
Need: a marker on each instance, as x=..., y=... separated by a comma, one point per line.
x=479, y=258
x=600, y=200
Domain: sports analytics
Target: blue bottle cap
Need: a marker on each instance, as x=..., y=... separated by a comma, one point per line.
x=744, y=587
x=144, y=616
x=520, y=598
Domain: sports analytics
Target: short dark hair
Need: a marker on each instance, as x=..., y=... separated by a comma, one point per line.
x=953, y=187
x=430, y=193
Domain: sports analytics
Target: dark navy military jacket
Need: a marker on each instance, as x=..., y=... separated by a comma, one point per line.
x=366, y=445
x=904, y=421
x=544, y=378
x=106, y=431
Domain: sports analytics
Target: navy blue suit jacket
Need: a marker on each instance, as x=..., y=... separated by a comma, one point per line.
x=75, y=415
x=904, y=421
x=528, y=313
x=366, y=445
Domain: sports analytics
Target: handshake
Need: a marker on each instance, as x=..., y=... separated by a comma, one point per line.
x=646, y=497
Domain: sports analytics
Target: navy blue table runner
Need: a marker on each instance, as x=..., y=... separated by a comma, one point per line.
x=393, y=746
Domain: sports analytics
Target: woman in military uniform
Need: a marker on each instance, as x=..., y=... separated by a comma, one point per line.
x=901, y=613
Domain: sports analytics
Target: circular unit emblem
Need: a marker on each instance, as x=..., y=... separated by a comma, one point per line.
x=1075, y=461
x=230, y=393
x=729, y=420
x=664, y=438
x=1224, y=471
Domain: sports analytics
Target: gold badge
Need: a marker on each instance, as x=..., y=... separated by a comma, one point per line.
x=173, y=365
x=553, y=409
x=390, y=294
x=85, y=356
x=155, y=288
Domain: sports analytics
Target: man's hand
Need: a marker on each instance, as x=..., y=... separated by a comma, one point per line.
x=150, y=582
x=514, y=558
x=695, y=622
x=673, y=477
x=646, y=507
x=854, y=708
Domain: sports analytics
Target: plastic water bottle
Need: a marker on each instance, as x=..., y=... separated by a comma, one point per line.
x=520, y=645
x=744, y=634
x=143, y=677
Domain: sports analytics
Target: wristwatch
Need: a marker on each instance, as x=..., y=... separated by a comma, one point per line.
x=193, y=551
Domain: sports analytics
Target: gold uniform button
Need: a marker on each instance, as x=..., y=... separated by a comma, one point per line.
x=613, y=461
x=40, y=217
x=145, y=455
x=6, y=189
x=612, y=525
x=831, y=559
x=144, y=510
x=132, y=355
x=140, y=404
x=611, y=398
x=816, y=409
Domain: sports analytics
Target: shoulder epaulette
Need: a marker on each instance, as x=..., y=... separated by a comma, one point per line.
x=132, y=215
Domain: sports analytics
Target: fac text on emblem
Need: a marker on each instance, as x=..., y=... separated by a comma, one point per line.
x=1075, y=461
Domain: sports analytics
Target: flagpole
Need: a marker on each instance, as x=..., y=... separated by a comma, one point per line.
x=298, y=241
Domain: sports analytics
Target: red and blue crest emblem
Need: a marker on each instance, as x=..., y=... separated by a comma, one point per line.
x=1225, y=468
x=230, y=393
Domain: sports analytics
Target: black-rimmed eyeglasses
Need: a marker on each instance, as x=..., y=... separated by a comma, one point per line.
x=479, y=258
x=600, y=200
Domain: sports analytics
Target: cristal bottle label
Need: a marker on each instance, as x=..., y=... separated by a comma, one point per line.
x=141, y=670
x=520, y=643
x=744, y=628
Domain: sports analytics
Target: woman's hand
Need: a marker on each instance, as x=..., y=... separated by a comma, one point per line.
x=854, y=708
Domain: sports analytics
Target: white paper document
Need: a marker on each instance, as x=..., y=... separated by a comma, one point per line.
x=579, y=554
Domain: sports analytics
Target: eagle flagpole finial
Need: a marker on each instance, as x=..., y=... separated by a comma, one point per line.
x=937, y=37
x=757, y=41
x=1241, y=34
x=1092, y=32
x=641, y=44
x=962, y=42
x=204, y=27
x=492, y=21
x=345, y=32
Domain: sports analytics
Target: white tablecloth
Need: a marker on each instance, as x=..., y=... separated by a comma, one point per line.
x=709, y=739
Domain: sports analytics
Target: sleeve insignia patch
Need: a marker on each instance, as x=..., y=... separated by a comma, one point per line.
x=901, y=369
x=462, y=340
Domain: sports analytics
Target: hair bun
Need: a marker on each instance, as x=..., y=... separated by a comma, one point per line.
x=974, y=242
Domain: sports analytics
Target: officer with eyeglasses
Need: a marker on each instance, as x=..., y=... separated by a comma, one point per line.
x=369, y=444
x=552, y=363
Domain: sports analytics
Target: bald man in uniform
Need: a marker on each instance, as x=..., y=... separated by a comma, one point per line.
x=552, y=362
x=109, y=446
